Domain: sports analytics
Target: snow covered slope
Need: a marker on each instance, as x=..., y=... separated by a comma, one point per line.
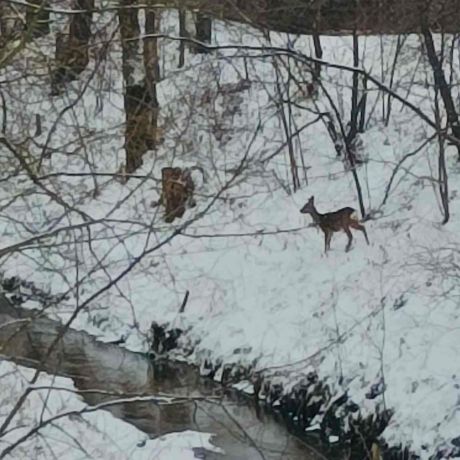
x=262, y=292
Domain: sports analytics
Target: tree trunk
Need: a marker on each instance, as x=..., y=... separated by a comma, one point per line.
x=141, y=105
x=442, y=169
x=177, y=192
x=138, y=139
x=38, y=18
x=357, y=106
x=182, y=34
x=130, y=44
x=318, y=55
x=203, y=27
x=317, y=45
x=72, y=50
x=134, y=84
x=152, y=77
x=353, y=129
x=287, y=128
x=10, y=25
x=399, y=45
x=442, y=85
x=362, y=108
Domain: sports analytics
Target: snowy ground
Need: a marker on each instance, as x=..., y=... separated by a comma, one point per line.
x=385, y=313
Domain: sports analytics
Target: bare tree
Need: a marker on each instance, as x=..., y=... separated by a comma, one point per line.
x=353, y=127
x=203, y=24
x=152, y=77
x=72, y=55
x=10, y=23
x=38, y=18
x=317, y=42
x=183, y=34
x=136, y=98
x=441, y=83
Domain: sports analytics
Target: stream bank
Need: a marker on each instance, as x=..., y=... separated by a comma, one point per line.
x=104, y=372
x=300, y=408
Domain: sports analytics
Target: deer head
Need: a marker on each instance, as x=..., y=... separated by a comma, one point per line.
x=309, y=206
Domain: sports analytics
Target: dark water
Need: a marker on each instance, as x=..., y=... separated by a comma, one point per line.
x=240, y=430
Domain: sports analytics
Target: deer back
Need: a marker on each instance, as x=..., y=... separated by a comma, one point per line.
x=336, y=220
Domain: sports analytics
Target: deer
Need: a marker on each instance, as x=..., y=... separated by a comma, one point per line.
x=330, y=222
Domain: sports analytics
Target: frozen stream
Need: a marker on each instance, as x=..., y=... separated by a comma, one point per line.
x=241, y=431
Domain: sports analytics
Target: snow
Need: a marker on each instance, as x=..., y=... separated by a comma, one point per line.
x=274, y=302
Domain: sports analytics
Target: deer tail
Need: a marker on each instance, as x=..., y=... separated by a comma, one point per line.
x=354, y=217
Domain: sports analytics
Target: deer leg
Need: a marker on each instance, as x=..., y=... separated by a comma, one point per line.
x=325, y=242
x=361, y=228
x=191, y=201
x=350, y=238
x=328, y=237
